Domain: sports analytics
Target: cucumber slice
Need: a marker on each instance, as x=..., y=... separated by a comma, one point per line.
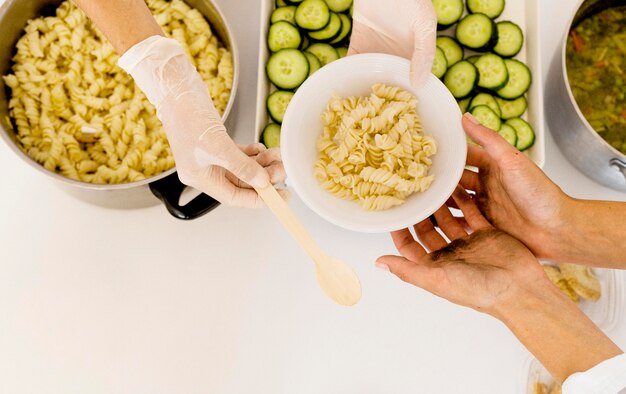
x=271, y=136
x=283, y=35
x=448, y=12
x=520, y=80
x=508, y=133
x=314, y=63
x=488, y=100
x=326, y=53
x=464, y=104
x=287, y=14
x=287, y=69
x=305, y=43
x=473, y=59
x=440, y=65
x=339, y=5
x=312, y=15
x=491, y=8
x=510, y=39
x=277, y=103
x=477, y=32
x=461, y=79
x=512, y=108
x=330, y=32
x=452, y=49
x=281, y=3
x=487, y=117
x=525, y=133
x=492, y=71
x=342, y=52
x=346, y=29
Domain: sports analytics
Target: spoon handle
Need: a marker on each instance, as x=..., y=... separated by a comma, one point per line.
x=291, y=222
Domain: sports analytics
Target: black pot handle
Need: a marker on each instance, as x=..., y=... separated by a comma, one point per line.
x=169, y=190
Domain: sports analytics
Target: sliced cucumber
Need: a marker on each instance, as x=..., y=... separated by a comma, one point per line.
x=342, y=52
x=287, y=14
x=488, y=100
x=440, y=65
x=510, y=39
x=339, y=5
x=452, y=49
x=477, y=32
x=330, y=32
x=461, y=79
x=512, y=108
x=525, y=133
x=277, y=103
x=509, y=134
x=464, y=104
x=281, y=3
x=487, y=117
x=314, y=63
x=283, y=35
x=271, y=136
x=312, y=15
x=473, y=59
x=346, y=29
x=520, y=80
x=288, y=69
x=448, y=12
x=491, y=8
x=324, y=52
x=492, y=71
x=305, y=43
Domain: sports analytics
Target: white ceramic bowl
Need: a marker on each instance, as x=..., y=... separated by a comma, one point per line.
x=355, y=76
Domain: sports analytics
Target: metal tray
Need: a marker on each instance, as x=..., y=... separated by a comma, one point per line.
x=524, y=13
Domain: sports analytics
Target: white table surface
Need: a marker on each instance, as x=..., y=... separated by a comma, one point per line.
x=103, y=301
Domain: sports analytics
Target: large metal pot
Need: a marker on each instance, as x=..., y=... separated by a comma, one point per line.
x=14, y=15
x=584, y=148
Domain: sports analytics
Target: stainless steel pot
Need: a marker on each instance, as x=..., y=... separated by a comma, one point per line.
x=583, y=147
x=14, y=15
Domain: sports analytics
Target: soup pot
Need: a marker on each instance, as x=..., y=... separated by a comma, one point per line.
x=578, y=141
x=14, y=14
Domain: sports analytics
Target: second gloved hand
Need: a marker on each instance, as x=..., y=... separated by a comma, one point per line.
x=206, y=157
x=406, y=28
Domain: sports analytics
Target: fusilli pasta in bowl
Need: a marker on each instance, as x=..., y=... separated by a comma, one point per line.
x=71, y=112
x=367, y=151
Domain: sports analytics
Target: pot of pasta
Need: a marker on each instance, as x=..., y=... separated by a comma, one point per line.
x=69, y=111
x=586, y=103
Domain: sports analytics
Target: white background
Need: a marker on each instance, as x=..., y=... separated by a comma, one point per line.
x=102, y=301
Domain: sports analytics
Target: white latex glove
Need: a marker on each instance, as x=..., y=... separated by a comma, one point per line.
x=406, y=28
x=206, y=157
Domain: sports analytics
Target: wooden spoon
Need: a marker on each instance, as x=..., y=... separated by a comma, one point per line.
x=335, y=277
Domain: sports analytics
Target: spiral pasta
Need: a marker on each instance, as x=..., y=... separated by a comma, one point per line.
x=78, y=114
x=372, y=150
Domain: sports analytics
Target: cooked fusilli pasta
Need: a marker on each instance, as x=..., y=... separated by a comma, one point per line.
x=373, y=150
x=78, y=114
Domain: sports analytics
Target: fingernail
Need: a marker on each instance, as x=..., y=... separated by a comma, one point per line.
x=382, y=266
x=471, y=118
x=261, y=180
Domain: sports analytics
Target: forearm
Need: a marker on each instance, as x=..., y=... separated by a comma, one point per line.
x=123, y=22
x=558, y=333
x=593, y=233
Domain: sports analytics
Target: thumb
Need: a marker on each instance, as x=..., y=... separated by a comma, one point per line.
x=244, y=167
x=425, y=42
x=406, y=270
x=492, y=142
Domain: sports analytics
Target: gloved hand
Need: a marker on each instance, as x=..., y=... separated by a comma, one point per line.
x=206, y=157
x=406, y=28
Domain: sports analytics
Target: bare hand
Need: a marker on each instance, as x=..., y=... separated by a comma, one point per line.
x=488, y=270
x=512, y=192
